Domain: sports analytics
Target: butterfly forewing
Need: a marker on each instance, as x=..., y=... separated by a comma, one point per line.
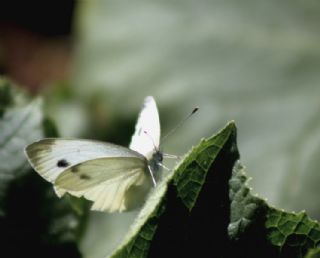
x=50, y=157
x=146, y=137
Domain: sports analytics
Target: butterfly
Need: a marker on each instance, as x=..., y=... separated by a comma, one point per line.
x=113, y=177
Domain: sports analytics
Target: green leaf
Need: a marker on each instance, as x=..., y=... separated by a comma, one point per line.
x=160, y=226
x=190, y=176
x=293, y=233
x=19, y=126
x=206, y=207
x=313, y=253
x=273, y=232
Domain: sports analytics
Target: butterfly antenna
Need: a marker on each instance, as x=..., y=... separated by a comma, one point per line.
x=179, y=125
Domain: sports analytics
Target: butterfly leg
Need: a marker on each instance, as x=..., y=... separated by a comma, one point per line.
x=153, y=179
x=170, y=156
x=163, y=166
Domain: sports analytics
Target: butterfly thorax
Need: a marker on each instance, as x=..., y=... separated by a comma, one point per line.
x=156, y=161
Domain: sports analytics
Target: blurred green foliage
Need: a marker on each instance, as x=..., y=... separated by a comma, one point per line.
x=314, y=253
x=33, y=221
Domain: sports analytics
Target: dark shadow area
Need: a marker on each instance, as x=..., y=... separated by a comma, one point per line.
x=45, y=18
x=203, y=232
x=35, y=223
x=36, y=41
x=252, y=242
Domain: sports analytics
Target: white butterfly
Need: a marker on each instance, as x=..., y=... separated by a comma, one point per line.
x=113, y=177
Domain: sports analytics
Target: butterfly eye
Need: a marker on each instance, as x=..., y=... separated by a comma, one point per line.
x=62, y=163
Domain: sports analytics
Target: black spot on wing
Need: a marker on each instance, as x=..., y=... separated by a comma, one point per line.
x=85, y=177
x=62, y=163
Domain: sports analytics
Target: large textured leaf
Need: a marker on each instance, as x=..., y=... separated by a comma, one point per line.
x=208, y=196
x=169, y=206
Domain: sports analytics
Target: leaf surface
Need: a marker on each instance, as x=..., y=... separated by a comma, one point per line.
x=207, y=196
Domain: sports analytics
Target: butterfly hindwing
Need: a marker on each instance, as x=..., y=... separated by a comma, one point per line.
x=93, y=172
x=107, y=182
x=121, y=188
x=146, y=137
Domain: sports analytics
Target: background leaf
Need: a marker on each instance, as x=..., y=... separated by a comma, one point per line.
x=33, y=221
x=19, y=125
